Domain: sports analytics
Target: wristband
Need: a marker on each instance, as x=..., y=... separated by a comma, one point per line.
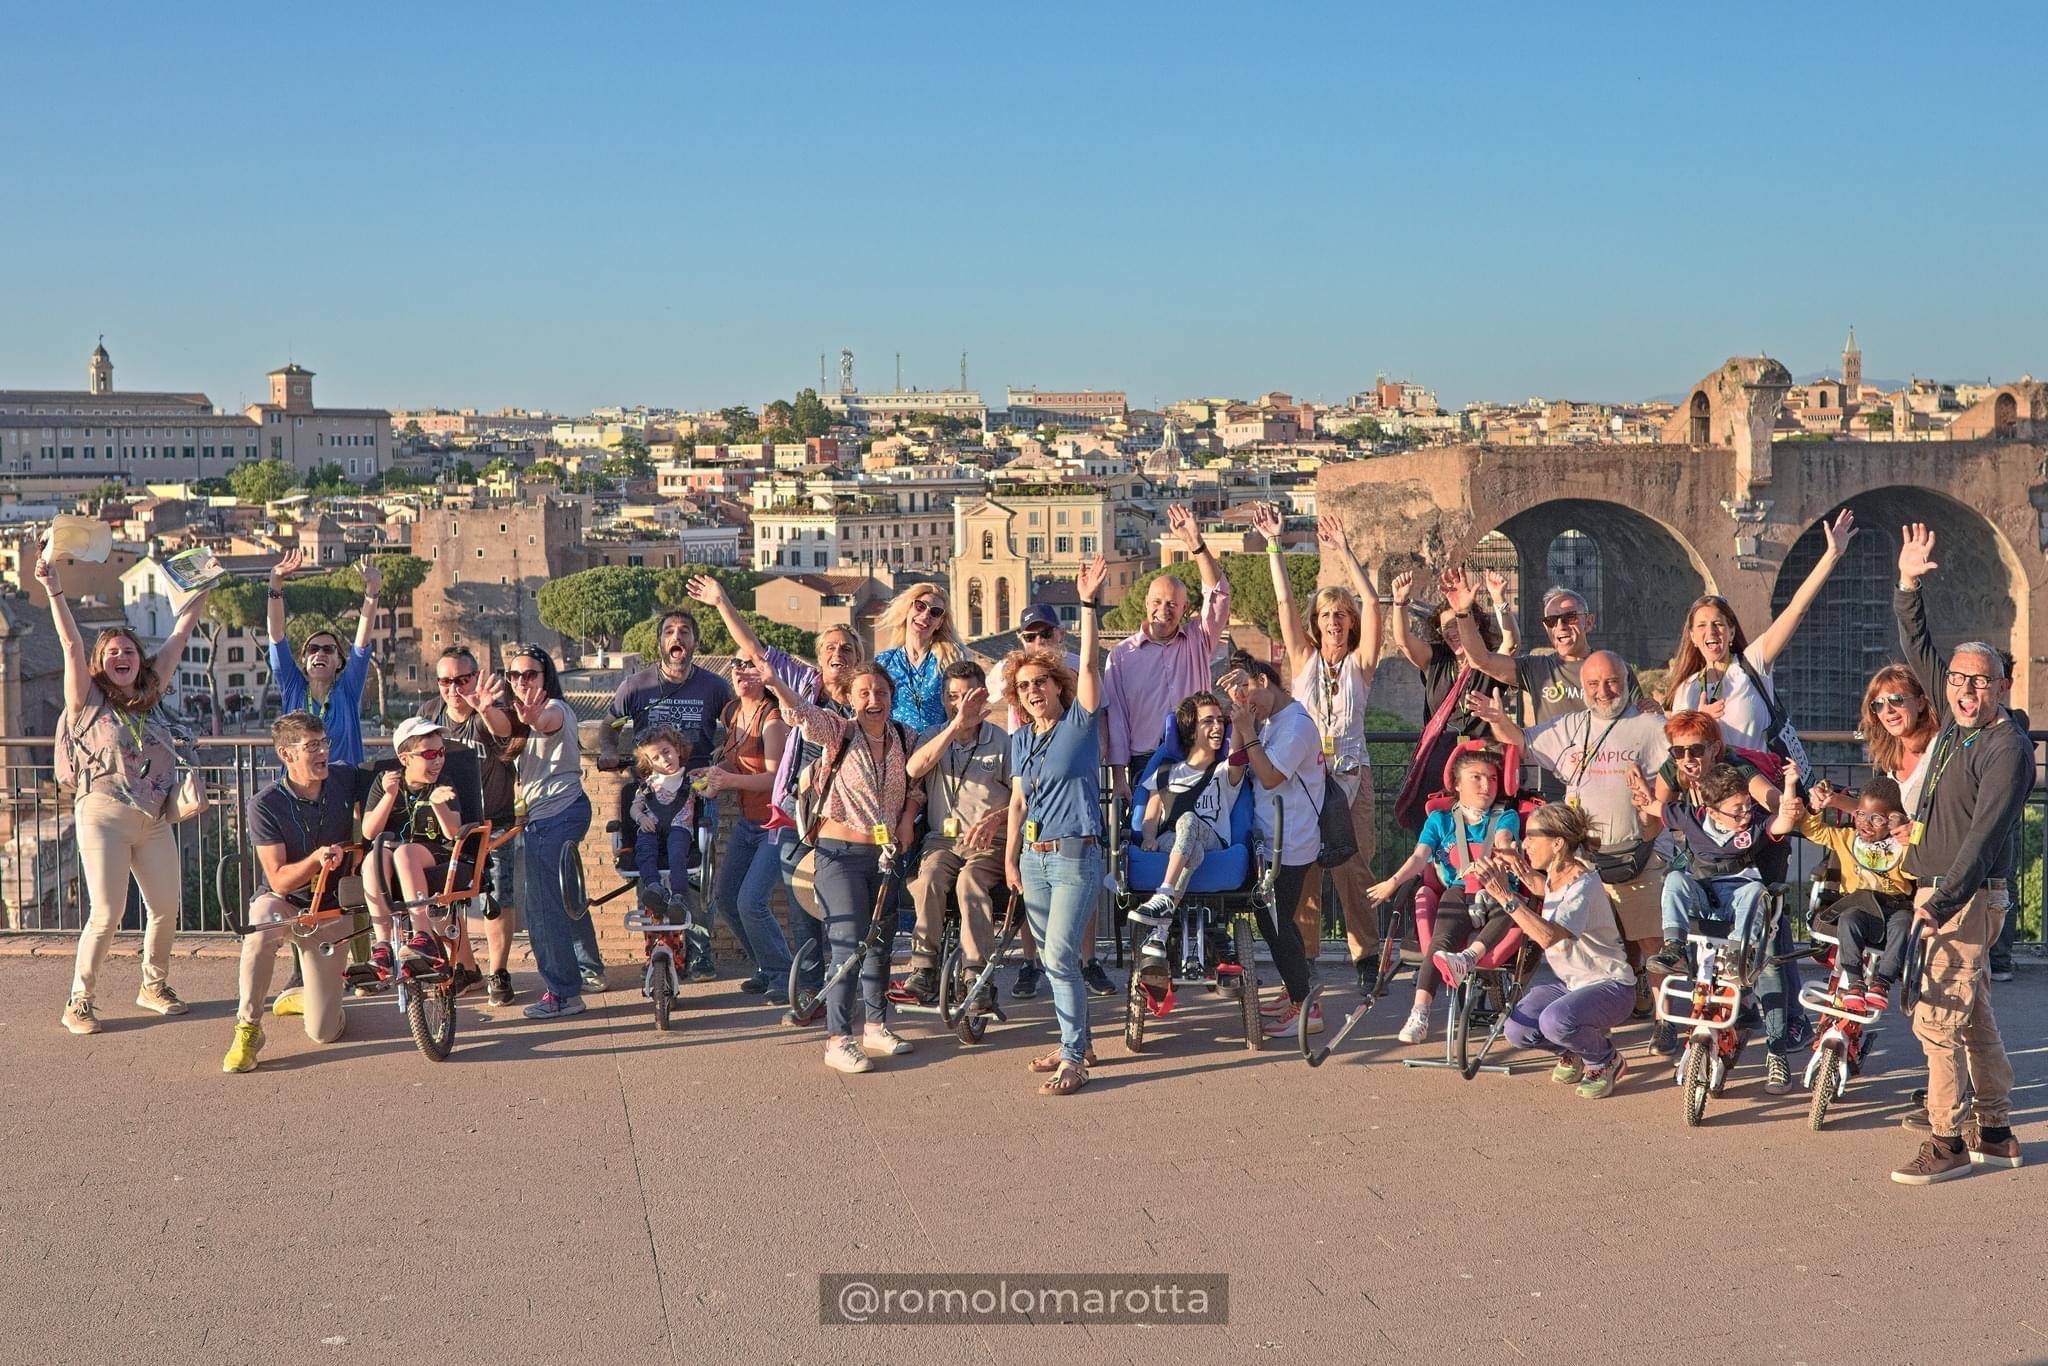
x=1201, y=547
x=277, y=594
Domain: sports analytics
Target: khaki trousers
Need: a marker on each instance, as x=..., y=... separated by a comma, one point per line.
x=323, y=991
x=1953, y=1020
x=114, y=841
x=972, y=880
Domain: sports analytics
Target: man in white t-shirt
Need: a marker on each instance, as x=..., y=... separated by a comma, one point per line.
x=1284, y=756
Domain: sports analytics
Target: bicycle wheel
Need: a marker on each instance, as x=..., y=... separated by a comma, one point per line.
x=575, y=898
x=1827, y=1084
x=430, y=1015
x=1458, y=1025
x=1134, y=1013
x=1693, y=1076
x=1248, y=986
x=663, y=992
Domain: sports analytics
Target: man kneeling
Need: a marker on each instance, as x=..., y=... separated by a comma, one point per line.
x=301, y=825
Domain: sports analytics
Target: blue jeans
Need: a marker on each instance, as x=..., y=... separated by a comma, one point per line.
x=558, y=943
x=849, y=876
x=803, y=926
x=1736, y=899
x=747, y=870
x=1059, y=893
x=647, y=852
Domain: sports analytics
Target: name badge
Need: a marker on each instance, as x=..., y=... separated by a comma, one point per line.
x=1329, y=745
x=1919, y=829
x=880, y=832
x=951, y=826
x=1031, y=832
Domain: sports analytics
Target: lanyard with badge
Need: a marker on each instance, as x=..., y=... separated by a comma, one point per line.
x=875, y=773
x=1034, y=771
x=954, y=778
x=1947, y=747
x=1587, y=749
x=1330, y=682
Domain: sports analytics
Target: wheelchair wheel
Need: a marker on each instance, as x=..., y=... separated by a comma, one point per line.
x=430, y=1015
x=800, y=1000
x=1390, y=954
x=575, y=898
x=1134, y=1013
x=663, y=994
x=1248, y=986
x=1458, y=1025
x=1827, y=1084
x=1693, y=1076
x=953, y=984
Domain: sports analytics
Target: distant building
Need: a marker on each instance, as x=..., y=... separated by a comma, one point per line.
x=813, y=602
x=866, y=410
x=904, y=521
x=486, y=566
x=1034, y=408
x=302, y=435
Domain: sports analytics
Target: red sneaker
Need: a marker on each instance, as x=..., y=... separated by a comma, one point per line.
x=1877, y=997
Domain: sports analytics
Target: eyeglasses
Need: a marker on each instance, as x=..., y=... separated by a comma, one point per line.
x=1895, y=700
x=1033, y=637
x=1031, y=682
x=931, y=607
x=426, y=755
x=522, y=675
x=1562, y=619
x=311, y=747
x=1739, y=813
x=1690, y=751
x=456, y=681
x=312, y=650
x=1972, y=682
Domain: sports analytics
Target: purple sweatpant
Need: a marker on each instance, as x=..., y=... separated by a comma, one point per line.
x=1575, y=1022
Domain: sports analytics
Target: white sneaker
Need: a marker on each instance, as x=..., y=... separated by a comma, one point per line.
x=843, y=1055
x=1416, y=1028
x=1455, y=967
x=879, y=1038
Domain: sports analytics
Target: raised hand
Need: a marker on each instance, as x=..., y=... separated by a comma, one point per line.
x=1486, y=706
x=1088, y=583
x=1496, y=586
x=1839, y=532
x=1639, y=794
x=46, y=572
x=1266, y=521
x=389, y=784
x=973, y=707
x=373, y=577
x=1916, y=553
x=1403, y=587
x=706, y=589
x=1457, y=589
x=1792, y=807
x=442, y=795
x=1330, y=532
x=1181, y=521
x=287, y=565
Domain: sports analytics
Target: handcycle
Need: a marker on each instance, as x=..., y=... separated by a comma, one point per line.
x=1708, y=1001
x=1213, y=935
x=1842, y=1045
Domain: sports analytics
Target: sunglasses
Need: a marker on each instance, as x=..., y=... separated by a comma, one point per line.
x=456, y=681
x=522, y=675
x=312, y=650
x=1690, y=751
x=1895, y=700
x=1562, y=619
x=930, y=607
x=428, y=755
x=1033, y=637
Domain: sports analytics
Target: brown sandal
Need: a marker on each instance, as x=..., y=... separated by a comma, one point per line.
x=1051, y=1061
x=1065, y=1082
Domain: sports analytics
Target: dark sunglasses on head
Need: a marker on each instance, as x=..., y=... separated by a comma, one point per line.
x=456, y=681
x=521, y=675
x=1689, y=751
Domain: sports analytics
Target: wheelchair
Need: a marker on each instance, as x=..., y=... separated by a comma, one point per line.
x=1213, y=936
x=1706, y=1002
x=667, y=940
x=966, y=1000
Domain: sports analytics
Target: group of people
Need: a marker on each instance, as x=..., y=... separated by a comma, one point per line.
x=853, y=775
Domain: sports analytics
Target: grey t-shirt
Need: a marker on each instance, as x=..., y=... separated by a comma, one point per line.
x=1552, y=683
x=969, y=782
x=1593, y=954
x=1592, y=759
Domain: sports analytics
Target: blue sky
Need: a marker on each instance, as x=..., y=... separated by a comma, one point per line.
x=525, y=204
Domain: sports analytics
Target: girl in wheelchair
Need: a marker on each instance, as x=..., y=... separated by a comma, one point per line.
x=1453, y=842
x=663, y=810
x=1594, y=990
x=1188, y=802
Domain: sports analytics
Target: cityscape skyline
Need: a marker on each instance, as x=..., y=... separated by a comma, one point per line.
x=431, y=210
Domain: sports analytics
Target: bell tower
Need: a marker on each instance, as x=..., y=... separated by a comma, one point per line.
x=1852, y=372
x=99, y=373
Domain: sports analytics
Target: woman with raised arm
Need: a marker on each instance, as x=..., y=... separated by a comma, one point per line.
x=1440, y=646
x=115, y=750
x=557, y=810
x=1053, y=853
x=1330, y=659
x=1720, y=671
x=915, y=642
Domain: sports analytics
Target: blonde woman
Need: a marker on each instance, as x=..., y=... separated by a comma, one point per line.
x=117, y=744
x=1330, y=659
x=917, y=642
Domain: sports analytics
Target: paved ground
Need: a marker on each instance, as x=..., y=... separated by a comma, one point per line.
x=594, y=1190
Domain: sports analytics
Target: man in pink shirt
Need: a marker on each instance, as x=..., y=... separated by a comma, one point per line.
x=1170, y=658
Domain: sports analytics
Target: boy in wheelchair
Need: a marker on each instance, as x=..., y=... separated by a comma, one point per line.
x=424, y=816
x=1453, y=842
x=1716, y=848
x=1187, y=801
x=662, y=813
x=1875, y=910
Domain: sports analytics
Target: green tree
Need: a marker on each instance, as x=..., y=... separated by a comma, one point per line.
x=1877, y=419
x=1251, y=590
x=546, y=471
x=809, y=416
x=1366, y=429
x=780, y=413
x=411, y=428
x=598, y=605
x=260, y=481
x=326, y=480
x=235, y=604
x=671, y=589
x=629, y=465
x=714, y=639
x=463, y=473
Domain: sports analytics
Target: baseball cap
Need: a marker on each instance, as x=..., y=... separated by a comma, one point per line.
x=411, y=729
x=1038, y=614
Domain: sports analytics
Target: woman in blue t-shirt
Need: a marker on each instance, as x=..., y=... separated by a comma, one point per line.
x=1054, y=858
x=917, y=642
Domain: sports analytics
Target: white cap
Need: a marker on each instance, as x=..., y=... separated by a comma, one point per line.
x=412, y=728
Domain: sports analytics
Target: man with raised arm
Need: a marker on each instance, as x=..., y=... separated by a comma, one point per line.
x=1961, y=854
